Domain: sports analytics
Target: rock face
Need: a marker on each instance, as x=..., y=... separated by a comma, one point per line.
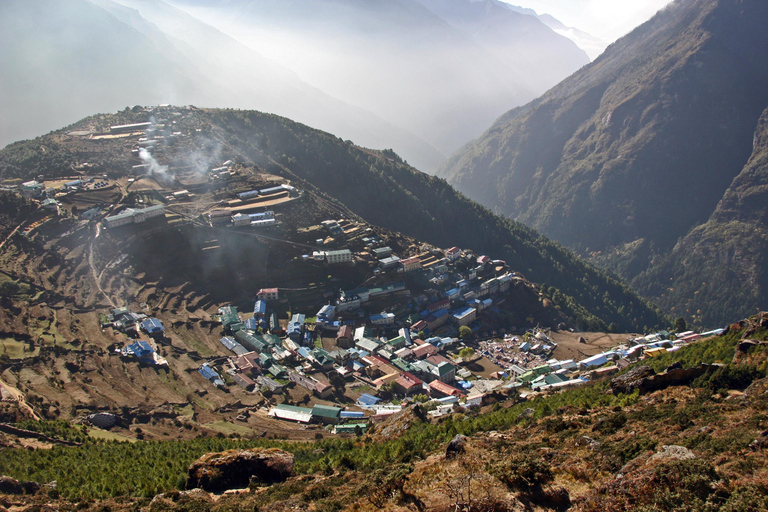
x=235, y=469
x=644, y=379
x=103, y=420
x=632, y=379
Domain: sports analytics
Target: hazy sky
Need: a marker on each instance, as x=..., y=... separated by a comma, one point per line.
x=606, y=19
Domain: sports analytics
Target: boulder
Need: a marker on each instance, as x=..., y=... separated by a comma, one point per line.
x=670, y=452
x=677, y=365
x=527, y=413
x=10, y=485
x=744, y=349
x=455, y=447
x=103, y=420
x=235, y=469
x=678, y=377
x=631, y=380
x=757, y=390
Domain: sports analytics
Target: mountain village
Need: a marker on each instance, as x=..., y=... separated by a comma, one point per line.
x=420, y=334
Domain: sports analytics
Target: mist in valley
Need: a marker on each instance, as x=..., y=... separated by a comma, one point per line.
x=422, y=77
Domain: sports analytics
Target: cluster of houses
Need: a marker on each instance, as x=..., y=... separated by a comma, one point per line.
x=135, y=325
x=409, y=360
x=403, y=364
x=46, y=195
x=245, y=210
x=552, y=374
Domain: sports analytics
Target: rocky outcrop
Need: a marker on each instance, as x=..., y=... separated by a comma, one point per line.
x=399, y=423
x=631, y=380
x=235, y=469
x=675, y=452
x=195, y=499
x=10, y=485
x=746, y=348
x=643, y=378
x=455, y=447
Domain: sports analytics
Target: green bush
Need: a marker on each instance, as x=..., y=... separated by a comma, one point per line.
x=525, y=473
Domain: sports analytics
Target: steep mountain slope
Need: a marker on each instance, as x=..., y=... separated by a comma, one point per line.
x=627, y=155
x=720, y=266
x=403, y=61
x=70, y=58
x=383, y=190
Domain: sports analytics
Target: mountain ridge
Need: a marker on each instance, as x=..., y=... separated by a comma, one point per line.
x=455, y=85
x=642, y=142
x=153, y=66
x=381, y=188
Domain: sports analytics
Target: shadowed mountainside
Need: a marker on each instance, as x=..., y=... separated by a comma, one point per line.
x=626, y=156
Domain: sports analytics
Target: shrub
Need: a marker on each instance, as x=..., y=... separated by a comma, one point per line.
x=524, y=473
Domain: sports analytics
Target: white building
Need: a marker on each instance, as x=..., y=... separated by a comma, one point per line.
x=453, y=254
x=383, y=319
x=133, y=216
x=410, y=264
x=267, y=294
x=342, y=256
x=240, y=219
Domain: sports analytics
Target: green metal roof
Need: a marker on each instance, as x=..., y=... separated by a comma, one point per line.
x=349, y=428
x=326, y=411
x=445, y=368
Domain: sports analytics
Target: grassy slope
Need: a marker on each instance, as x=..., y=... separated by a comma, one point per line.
x=578, y=440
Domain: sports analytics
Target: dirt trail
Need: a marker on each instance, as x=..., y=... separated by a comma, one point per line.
x=97, y=275
x=20, y=398
x=16, y=229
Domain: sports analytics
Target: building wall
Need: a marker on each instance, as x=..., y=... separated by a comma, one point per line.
x=339, y=257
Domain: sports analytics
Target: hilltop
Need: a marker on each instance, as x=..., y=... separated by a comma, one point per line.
x=377, y=186
x=184, y=220
x=644, y=142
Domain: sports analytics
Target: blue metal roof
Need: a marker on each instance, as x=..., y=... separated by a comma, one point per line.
x=233, y=345
x=252, y=324
x=228, y=342
x=355, y=365
x=152, y=325
x=208, y=372
x=260, y=308
x=141, y=349
x=352, y=414
x=462, y=312
x=367, y=399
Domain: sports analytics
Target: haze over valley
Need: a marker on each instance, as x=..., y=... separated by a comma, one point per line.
x=422, y=77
